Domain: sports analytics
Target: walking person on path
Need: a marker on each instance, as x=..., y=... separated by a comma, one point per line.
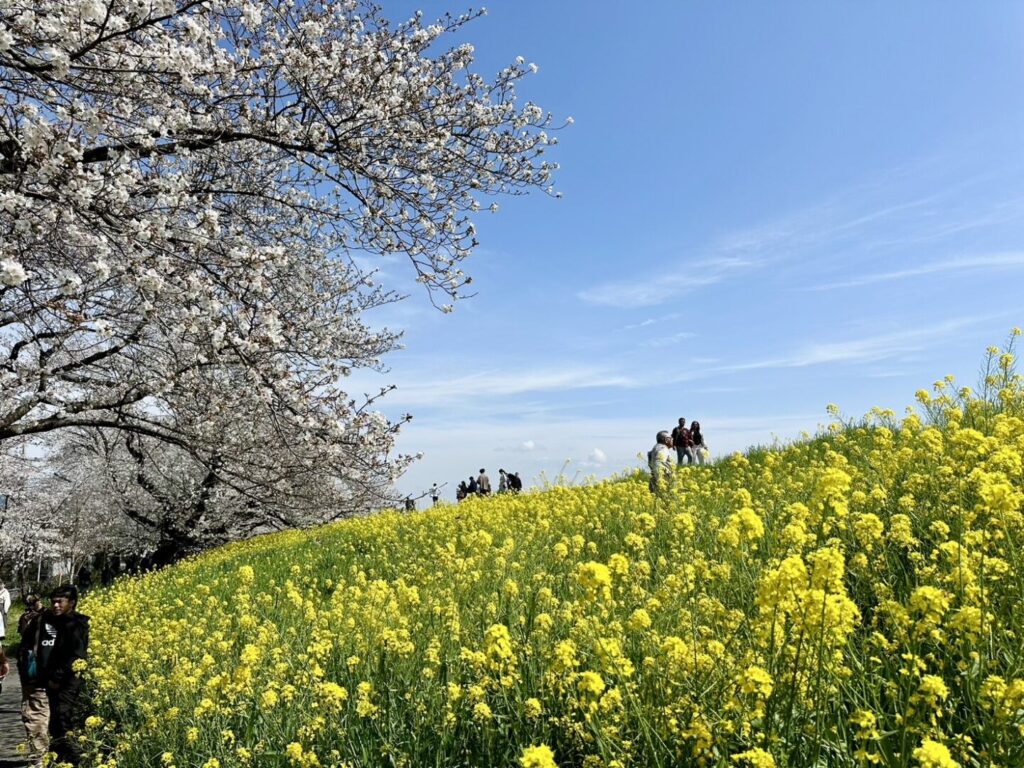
x=10, y=734
x=683, y=443
x=661, y=461
x=5, y=608
x=35, y=705
x=63, y=639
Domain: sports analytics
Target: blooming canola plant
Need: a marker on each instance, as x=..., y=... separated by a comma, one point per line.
x=848, y=600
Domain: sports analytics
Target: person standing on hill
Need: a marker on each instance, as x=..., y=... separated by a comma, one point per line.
x=35, y=706
x=661, y=461
x=63, y=639
x=473, y=488
x=502, y=481
x=484, y=483
x=515, y=483
x=700, y=448
x=683, y=443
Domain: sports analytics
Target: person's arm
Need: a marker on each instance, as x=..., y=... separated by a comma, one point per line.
x=5, y=665
x=64, y=670
x=81, y=649
x=23, y=623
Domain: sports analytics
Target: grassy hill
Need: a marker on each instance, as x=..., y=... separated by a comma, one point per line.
x=851, y=600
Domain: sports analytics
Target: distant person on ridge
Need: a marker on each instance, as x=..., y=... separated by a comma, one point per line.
x=484, y=482
x=683, y=443
x=462, y=491
x=700, y=448
x=435, y=494
x=661, y=461
x=473, y=488
x=502, y=481
x=515, y=483
x=63, y=640
x=35, y=707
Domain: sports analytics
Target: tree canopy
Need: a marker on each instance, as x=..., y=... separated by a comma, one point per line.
x=184, y=187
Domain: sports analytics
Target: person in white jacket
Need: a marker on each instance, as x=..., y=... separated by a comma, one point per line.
x=5, y=608
x=662, y=460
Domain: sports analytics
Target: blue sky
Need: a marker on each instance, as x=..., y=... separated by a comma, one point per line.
x=767, y=208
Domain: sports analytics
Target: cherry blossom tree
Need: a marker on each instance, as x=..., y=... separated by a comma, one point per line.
x=187, y=191
x=17, y=542
x=55, y=517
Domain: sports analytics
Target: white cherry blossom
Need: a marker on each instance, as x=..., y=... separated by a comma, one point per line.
x=183, y=187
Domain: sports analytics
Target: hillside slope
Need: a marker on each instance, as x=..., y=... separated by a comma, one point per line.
x=850, y=600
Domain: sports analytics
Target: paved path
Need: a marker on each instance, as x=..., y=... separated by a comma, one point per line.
x=12, y=733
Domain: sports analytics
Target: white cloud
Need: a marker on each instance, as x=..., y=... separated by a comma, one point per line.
x=861, y=219
x=652, y=321
x=964, y=264
x=668, y=341
x=597, y=456
x=527, y=445
x=863, y=350
x=504, y=383
x=641, y=324
x=659, y=288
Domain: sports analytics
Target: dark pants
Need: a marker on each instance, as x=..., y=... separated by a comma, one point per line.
x=62, y=719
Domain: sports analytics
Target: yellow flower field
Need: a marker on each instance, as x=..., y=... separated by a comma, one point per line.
x=856, y=599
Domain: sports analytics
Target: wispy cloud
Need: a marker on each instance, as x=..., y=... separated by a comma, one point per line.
x=657, y=289
x=651, y=321
x=668, y=341
x=525, y=393
x=885, y=217
x=867, y=349
x=962, y=264
x=506, y=383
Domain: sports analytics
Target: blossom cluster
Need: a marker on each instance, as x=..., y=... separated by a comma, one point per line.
x=849, y=600
x=192, y=195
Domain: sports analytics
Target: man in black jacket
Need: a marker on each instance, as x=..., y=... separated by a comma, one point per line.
x=63, y=640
